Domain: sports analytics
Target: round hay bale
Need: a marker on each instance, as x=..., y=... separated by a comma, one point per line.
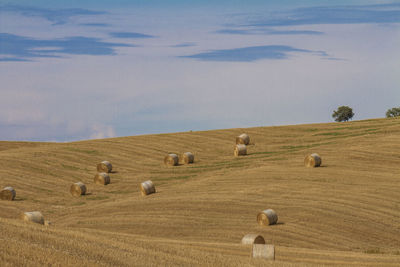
x=251, y=239
x=267, y=217
x=8, y=193
x=171, y=160
x=78, y=189
x=313, y=160
x=104, y=166
x=240, y=150
x=263, y=251
x=102, y=178
x=33, y=216
x=243, y=139
x=147, y=188
x=187, y=157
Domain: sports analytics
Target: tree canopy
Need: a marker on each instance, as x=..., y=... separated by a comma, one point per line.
x=343, y=113
x=393, y=112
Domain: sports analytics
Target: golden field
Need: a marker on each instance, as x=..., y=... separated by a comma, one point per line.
x=346, y=212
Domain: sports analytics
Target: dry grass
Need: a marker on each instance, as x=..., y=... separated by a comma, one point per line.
x=338, y=214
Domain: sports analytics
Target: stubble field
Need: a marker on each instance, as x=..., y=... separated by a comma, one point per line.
x=346, y=212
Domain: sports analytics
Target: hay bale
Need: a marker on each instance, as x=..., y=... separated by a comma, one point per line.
x=243, y=139
x=102, y=178
x=147, y=188
x=240, y=150
x=33, y=216
x=78, y=189
x=171, y=160
x=313, y=160
x=187, y=157
x=8, y=193
x=250, y=239
x=104, y=166
x=267, y=217
x=263, y=251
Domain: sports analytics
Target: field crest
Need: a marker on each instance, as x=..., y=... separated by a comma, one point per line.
x=346, y=212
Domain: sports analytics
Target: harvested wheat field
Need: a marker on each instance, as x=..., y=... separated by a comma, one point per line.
x=345, y=213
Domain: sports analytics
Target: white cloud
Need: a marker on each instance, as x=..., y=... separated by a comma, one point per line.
x=145, y=89
x=102, y=131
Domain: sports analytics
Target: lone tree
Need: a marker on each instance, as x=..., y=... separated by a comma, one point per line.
x=393, y=112
x=343, y=113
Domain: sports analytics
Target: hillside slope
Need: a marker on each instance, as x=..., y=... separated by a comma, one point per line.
x=346, y=212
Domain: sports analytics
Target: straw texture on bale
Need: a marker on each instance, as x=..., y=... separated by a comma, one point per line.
x=78, y=189
x=33, y=216
x=263, y=251
x=267, y=217
x=171, y=160
x=104, y=166
x=243, y=139
x=147, y=188
x=251, y=239
x=8, y=193
x=313, y=160
x=187, y=158
x=102, y=178
x=240, y=150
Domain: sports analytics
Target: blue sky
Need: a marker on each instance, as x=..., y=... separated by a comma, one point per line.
x=74, y=70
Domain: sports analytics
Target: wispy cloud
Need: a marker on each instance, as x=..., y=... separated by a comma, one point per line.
x=20, y=48
x=95, y=24
x=252, y=53
x=13, y=59
x=184, y=45
x=130, y=35
x=380, y=13
x=257, y=31
x=102, y=131
x=335, y=58
x=56, y=16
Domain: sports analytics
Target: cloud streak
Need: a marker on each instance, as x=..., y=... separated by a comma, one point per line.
x=184, y=45
x=129, y=35
x=267, y=32
x=95, y=24
x=380, y=13
x=20, y=48
x=56, y=16
x=251, y=53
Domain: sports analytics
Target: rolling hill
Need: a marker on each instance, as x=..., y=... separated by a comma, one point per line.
x=346, y=212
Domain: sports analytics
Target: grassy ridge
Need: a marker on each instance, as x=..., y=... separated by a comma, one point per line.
x=346, y=212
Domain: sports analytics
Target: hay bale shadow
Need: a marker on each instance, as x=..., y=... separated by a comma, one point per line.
x=278, y=223
x=174, y=166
